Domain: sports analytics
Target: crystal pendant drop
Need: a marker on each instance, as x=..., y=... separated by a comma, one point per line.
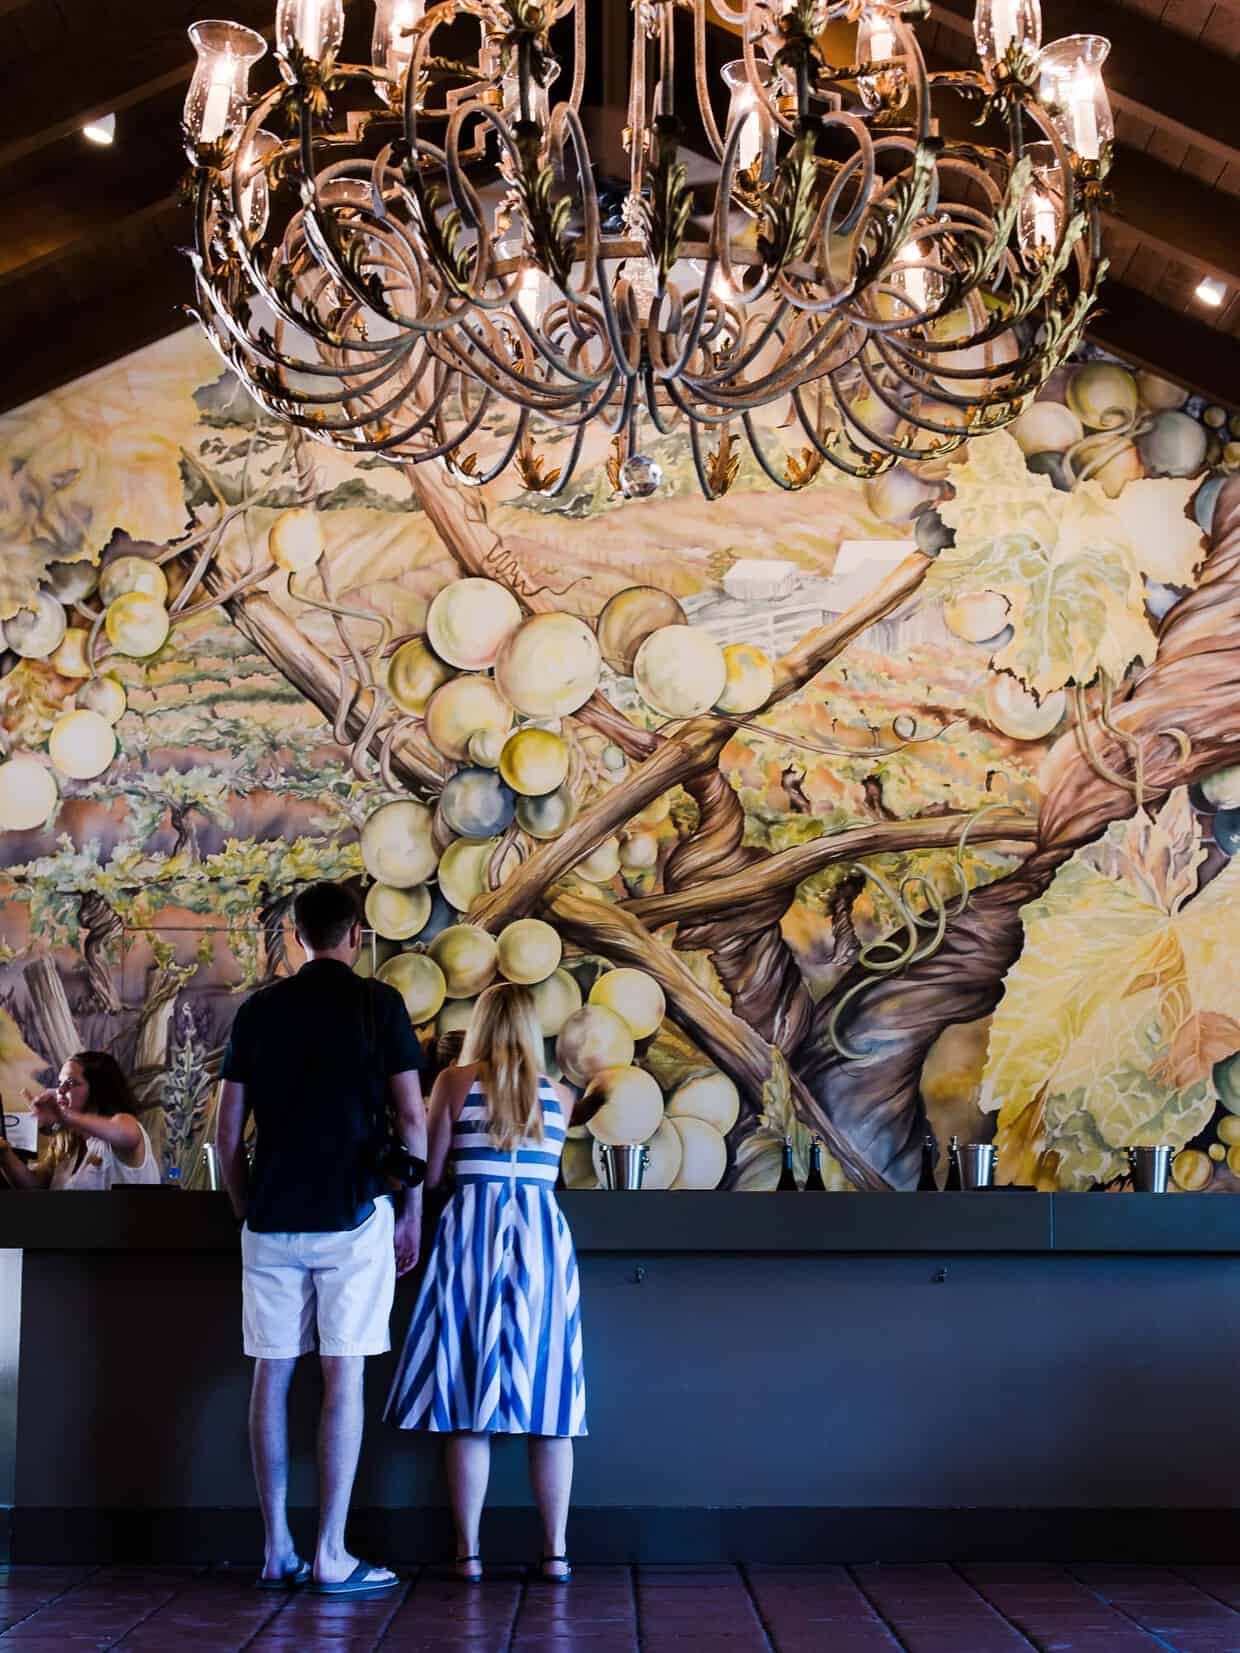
x=640, y=476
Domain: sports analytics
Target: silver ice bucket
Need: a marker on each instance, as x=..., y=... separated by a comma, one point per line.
x=624, y=1163
x=1149, y=1168
x=977, y=1165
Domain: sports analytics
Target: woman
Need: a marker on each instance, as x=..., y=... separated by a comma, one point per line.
x=92, y=1139
x=495, y=1343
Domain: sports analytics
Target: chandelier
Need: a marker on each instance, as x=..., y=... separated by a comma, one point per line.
x=411, y=258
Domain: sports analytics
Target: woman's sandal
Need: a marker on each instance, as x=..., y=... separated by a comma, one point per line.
x=474, y=1576
x=555, y=1578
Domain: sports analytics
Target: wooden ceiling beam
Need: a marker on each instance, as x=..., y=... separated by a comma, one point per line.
x=1177, y=214
x=116, y=294
x=1177, y=85
x=98, y=73
x=1137, y=327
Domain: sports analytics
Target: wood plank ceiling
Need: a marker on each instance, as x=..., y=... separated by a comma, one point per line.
x=89, y=266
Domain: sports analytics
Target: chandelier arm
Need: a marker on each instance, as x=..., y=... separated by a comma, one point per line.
x=699, y=414
x=665, y=87
x=864, y=159
x=568, y=465
x=896, y=450
x=738, y=362
x=781, y=479
x=276, y=358
x=757, y=80
x=481, y=478
x=637, y=106
x=778, y=381
x=699, y=465
x=347, y=421
x=295, y=232
x=720, y=232
x=954, y=433
x=657, y=419
x=333, y=367
x=506, y=381
x=577, y=90
x=809, y=428
x=503, y=382
x=427, y=416
x=565, y=130
x=705, y=113
x=736, y=17
x=419, y=35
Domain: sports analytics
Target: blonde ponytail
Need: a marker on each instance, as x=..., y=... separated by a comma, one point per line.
x=505, y=1037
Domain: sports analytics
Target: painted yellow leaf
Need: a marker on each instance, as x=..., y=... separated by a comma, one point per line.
x=1202, y=1039
x=1155, y=515
x=995, y=493
x=89, y=459
x=1119, y=1005
x=1070, y=564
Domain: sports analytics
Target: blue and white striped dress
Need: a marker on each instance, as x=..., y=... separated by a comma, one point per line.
x=495, y=1341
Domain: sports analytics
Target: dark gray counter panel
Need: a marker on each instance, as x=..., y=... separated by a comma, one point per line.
x=752, y=1224
x=847, y=1378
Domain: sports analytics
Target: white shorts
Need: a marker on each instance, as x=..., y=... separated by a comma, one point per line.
x=338, y=1285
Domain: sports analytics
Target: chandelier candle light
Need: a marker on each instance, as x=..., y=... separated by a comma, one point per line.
x=410, y=258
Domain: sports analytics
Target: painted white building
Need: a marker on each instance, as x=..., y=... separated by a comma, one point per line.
x=773, y=604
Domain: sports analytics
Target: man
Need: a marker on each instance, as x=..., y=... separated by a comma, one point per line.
x=318, y=1058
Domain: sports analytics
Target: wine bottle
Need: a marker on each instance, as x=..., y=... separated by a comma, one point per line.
x=953, y=1184
x=787, y=1183
x=927, y=1182
x=813, y=1182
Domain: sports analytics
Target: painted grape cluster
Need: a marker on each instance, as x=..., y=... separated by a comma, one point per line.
x=496, y=692
x=132, y=594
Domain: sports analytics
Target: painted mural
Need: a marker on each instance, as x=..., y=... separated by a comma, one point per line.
x=855, y=810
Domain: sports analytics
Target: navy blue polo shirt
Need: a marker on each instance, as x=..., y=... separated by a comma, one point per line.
x=315, y=1058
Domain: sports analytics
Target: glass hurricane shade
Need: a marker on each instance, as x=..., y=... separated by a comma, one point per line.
x=314, y=28
x=877, y=43
x=1041, y=208
x=756, y=145
x=916, y=276
x=997, y=24
x=1071, y=84
x=220, y=85
x=391, y=44
x=255, y=194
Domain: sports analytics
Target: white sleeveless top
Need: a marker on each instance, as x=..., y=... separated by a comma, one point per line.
x=101, y=1168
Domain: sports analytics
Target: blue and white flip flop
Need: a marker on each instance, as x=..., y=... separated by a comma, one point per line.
x=293, y=1579
x=360, y=1582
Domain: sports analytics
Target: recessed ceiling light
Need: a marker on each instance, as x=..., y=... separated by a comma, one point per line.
x=102, y=130
x=1211, y=292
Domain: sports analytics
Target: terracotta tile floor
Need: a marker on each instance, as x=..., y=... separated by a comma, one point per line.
x=874, y=1609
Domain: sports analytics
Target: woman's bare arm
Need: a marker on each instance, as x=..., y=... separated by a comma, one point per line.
x=568, y=1100
x=17, y=1173
x=121, y=1132
x=447, y=1099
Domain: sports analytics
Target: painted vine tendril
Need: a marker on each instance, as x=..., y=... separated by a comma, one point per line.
x=888, y=955
x=1082, y=717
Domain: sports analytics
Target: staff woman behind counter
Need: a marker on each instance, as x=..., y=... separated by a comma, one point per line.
x=91, y=1138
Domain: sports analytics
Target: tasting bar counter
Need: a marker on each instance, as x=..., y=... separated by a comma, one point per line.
x=836, y=1377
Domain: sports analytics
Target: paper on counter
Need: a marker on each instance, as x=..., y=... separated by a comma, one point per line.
x=22, y=1130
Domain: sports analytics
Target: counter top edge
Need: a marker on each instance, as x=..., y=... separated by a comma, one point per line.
x=705, y=1222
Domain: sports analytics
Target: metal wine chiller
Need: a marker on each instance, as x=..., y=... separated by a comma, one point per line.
x=623, y=1163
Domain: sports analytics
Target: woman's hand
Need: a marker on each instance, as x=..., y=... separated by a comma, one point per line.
x=48, y=1109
